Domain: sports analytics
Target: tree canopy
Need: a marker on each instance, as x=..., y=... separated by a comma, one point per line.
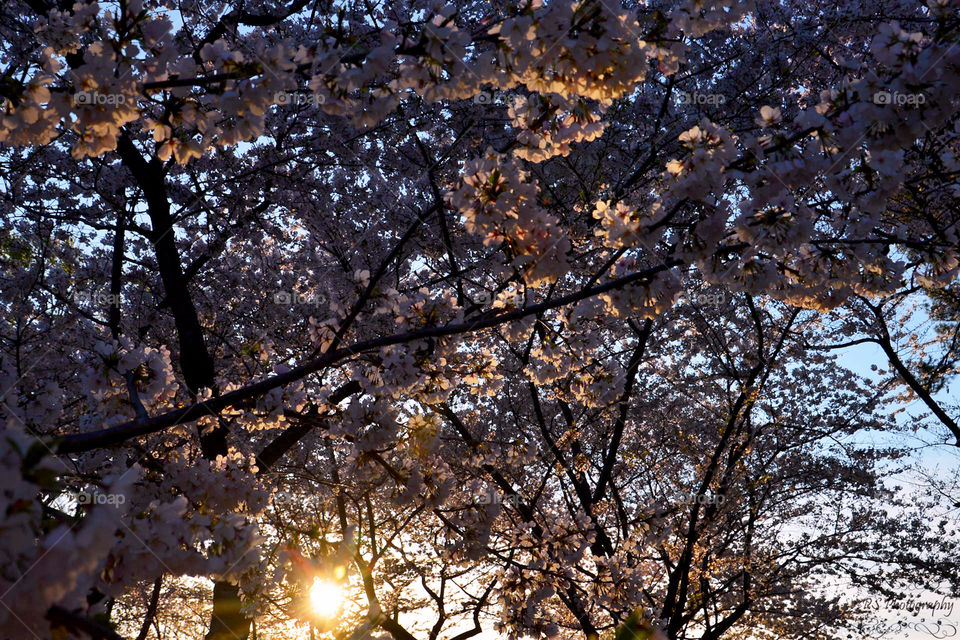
x=429, y=320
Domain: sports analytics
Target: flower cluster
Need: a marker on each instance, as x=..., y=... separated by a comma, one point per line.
x=501, y=204
x=130, y=378
x=548, y=125
x=646, y=299
x=198, y=519
x=48, y=563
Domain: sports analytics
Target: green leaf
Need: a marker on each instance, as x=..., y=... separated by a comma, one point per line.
x=635, y=628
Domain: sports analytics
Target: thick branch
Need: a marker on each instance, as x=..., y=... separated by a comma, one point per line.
x=80, y=442
x=294, y=433
x=64, y=618
x=883, y=339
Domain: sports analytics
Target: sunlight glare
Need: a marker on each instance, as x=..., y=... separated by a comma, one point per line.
x=325, y=599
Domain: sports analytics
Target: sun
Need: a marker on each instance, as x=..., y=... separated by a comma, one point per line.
x=325, y=599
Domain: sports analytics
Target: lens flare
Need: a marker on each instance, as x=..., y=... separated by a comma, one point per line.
x=325, y=599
